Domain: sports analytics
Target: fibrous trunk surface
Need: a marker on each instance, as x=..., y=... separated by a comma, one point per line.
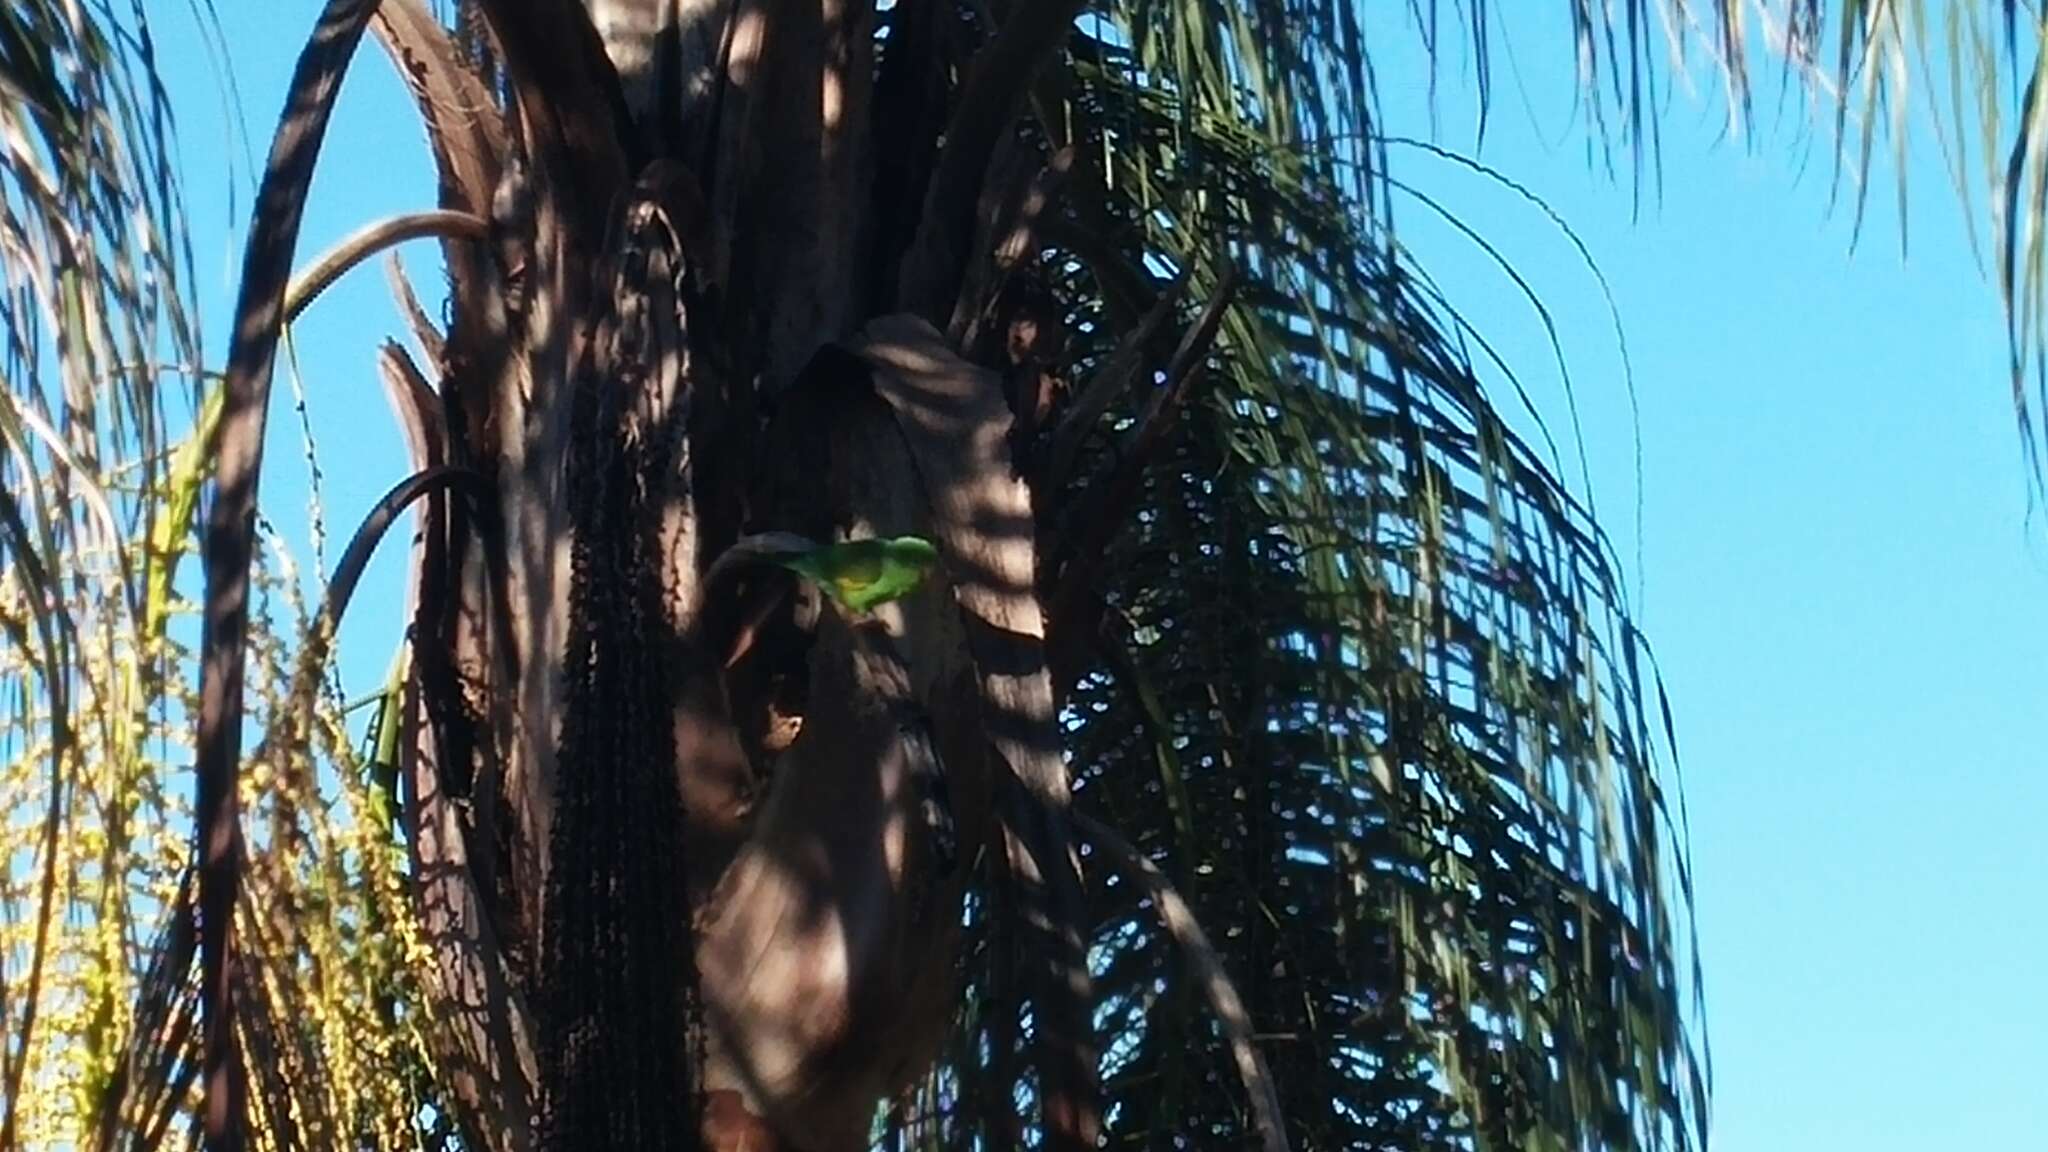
x=694, y=921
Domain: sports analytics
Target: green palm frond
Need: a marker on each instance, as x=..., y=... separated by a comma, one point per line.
x=1364, y=685
x=1981, y=70
x=91, y=307
x=106, y=422
x=1422, y=786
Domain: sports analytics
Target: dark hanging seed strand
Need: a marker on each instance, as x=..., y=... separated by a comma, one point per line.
x=617, y=935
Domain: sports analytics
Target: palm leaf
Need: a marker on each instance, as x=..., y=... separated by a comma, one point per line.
x=1390, y=648
x=91, y=309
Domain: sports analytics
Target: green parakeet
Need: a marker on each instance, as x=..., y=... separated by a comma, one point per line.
x=861, y=574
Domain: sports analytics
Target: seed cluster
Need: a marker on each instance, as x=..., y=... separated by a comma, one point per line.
x=615, y=938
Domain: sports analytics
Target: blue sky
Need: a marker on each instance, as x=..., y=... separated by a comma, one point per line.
x=1848, y=601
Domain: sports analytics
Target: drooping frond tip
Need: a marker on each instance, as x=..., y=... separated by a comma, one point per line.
x=1871, y=74
x=1366, y=686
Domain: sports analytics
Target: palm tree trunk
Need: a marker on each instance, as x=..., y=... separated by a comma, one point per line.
x=666, y=256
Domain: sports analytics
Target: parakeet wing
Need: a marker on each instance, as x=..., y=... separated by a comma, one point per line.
x=861, y=574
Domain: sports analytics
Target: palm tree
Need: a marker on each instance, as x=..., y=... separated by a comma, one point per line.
x=1253, y=745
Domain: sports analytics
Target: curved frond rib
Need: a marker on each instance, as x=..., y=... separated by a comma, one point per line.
x=280, y=207
x=356, y=557
x=371, y=239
